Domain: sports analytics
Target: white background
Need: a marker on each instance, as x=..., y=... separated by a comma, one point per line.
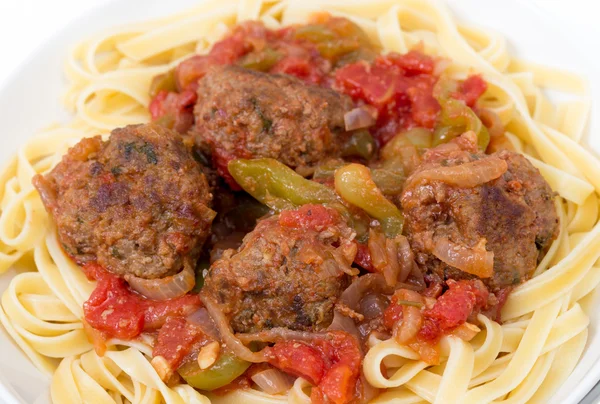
x=24, y=24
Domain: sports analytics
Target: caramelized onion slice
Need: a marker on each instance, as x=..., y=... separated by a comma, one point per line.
x=351, y=297
x=359, y=118
x=466, y=175
x=278, y=334
x=466, y=331
x=202, y=319
x=492, y=121
x=227, y=337
x=169, y=287
x=476, y=261
x=273, y=381
x=412, y=318
x=368, y=283
x=47, y=192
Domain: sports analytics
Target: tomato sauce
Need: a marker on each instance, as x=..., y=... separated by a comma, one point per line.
x=330, y=52
x=333, y=53
x=309, y=217
x=118, y=312
x=462, y=300
x=175, y=339
x=332, y=364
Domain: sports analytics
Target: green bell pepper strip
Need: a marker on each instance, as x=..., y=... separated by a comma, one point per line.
x=421, y=138
x=226, y=369
x=455, y=116
x=163, y=82
x=261, y=60
x=278, y=186
x=281, y=188
x=389, y=180
x=355, y=184
x=360, y=144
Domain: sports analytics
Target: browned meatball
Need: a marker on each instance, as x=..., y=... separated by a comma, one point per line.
x=514, y=214
x=137, y=203
x=287, y=273
x=242, y=113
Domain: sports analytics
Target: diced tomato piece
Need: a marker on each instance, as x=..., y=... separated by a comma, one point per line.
x=221, y=159
x=112, y=309
x=94, y=272
x=339, y=381
x=452, y=308
x=230, y=49
x=374, y=84
x=392, y=314
x=424, y=108
x=471, y=89
x=307, y=66
x=413, y=62
x=298, y=359
x=157, y=311
x=309, y=217
x=191, y=70
x=119, y=312
x=332, y=364
x=177, y=107
x=400, y=87
x=363, y=257
x=175, y=339
x=293, y=66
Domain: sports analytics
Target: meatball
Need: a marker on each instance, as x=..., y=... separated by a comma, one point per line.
x=289, y=272
x=137, y=203
x=243, y=113
x=513, y=216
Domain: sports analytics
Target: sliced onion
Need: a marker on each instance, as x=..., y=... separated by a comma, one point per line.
x=466, y=175
x=343, y=323
x=279, y=334
x=392, y=268
x=202, y=319
x=476, y=261
x=412, y=319
x=273, y=381
x=233, y=343
x=392, y=257
x=372, y=305
x=330, y=268
x=417, y=278
x=359, y=118
x=406, y=258
x=352, y=296
x=440, y=66
x=169, y=287
x=377, y=250
x=466, y=331
x=374, y=283
x=46, y=191
x=411, y=286
x=366, y=392
x=492, y=122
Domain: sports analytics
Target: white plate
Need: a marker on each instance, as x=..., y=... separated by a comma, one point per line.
x=30, y=100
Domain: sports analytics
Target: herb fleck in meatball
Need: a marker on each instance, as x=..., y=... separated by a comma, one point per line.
x=514, y=214
x=242, y=113
x=289, y=272
x=137, y=203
